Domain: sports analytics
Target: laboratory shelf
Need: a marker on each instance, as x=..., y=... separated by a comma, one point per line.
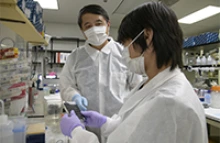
x=12, y=17
x=56, y=51
x=203, y=66
x=36, y=63
x=185, y=48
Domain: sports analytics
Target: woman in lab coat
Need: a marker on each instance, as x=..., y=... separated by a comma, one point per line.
x=162, y=109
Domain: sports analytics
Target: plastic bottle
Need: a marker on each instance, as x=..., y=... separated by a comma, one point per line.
x=198, y=60
x=208, y=97
x=192, y=59
x=6, y=128
x=186, y=58
x=203, y=60
x=209, y=60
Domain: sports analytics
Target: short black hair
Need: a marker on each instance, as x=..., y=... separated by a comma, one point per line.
x=167, y=34
x=94, y=9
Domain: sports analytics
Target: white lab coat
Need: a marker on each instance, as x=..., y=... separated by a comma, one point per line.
x=165, y=110
x=100, y=76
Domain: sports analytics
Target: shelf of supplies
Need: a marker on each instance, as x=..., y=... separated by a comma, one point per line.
x=213, y=77
x=36, y=63
x=55, y=51
x=204, y=66
x=68, y=39
x=12, y=17
x=201, y=45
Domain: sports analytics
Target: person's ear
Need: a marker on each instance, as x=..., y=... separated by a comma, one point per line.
x=108, y=27
x=148, y=34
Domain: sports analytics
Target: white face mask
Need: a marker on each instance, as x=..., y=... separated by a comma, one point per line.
x=135, y=65
x=96, y=35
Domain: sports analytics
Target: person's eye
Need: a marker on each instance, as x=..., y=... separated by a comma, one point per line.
x=87, y=27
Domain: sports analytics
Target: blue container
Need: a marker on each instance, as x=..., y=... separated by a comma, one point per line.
x=188, y=42
x=212, y=37
x=21, y=4
x=201, y=39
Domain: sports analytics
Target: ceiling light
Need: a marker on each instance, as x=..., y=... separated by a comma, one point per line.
x=200, y=15
x=48, y=4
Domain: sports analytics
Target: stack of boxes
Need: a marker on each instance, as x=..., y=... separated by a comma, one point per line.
x=34, y=13
x=204, y=38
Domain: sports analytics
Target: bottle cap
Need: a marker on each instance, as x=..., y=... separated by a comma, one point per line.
x=215, y=88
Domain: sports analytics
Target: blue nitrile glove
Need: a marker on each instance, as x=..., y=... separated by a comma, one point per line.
x=81, y=102
x=94, y=119
x=69, y=122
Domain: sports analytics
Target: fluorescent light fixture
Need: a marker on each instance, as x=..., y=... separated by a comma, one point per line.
x=200, y=15
x=48, y=4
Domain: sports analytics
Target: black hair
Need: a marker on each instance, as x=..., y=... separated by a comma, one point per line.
x=167, y=34
x=94, y=9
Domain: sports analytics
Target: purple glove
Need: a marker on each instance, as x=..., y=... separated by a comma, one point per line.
x=69, y=123
x=94, y=119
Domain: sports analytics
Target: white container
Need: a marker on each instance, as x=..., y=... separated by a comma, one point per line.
x=215, y=97
x=6, y=127
x=203, y=60
x=19, y=129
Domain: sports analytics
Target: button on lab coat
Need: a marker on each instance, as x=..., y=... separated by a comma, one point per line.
x=165, y=110
x=100, y=76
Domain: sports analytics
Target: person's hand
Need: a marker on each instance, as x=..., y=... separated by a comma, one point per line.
x=81, y=102
x=69, y=122
x=94, y=119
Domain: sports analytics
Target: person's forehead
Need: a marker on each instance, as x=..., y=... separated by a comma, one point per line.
x=90, y=18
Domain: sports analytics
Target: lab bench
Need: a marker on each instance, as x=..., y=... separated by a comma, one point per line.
x=39, y=130
x=213, y=124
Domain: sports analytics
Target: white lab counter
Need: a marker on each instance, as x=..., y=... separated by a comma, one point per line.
x=213, y=117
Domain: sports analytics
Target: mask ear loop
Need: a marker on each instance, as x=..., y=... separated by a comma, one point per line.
x=135, y=38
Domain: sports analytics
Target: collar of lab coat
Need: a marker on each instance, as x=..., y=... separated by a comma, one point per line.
x=93, y=53
x=148, y=91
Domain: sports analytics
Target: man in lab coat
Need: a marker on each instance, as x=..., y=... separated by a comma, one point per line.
x=163, y=108
x=94, y=75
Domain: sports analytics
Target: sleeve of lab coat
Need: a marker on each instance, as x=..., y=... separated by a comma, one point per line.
x=110, y=125
x=134, y=79
x=68, y=83
x=80, y=135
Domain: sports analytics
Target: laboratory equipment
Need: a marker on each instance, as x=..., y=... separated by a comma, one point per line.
x=215, y=97
x=19, y=129
x=68, y=106
x=191, y=59
x=198, y=60
x=208, y=97
x=6, y=127
x=203, y=60
x=53, y=107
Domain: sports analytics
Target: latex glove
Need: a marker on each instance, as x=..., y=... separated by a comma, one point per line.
x=94, y=119
x=69, y=122
x=81, y=102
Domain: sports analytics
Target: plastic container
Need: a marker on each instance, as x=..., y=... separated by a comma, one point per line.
x=19, y=129
x=203, y=60
x=208, y=97
x=198, y=60
x=215, y=97
x=6, y=127
x=192, y=59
